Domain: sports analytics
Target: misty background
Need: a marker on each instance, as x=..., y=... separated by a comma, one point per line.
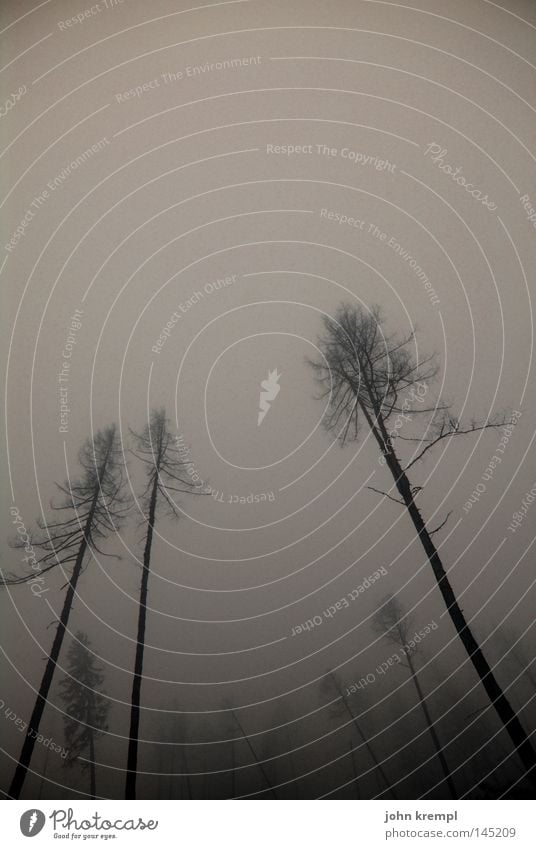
x=182, y=194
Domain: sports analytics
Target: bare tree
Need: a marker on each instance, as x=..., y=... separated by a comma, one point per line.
x=391, y=622
x=278, y=748
x=351, y=752
x=97, y=504
x=172, y=730
x=253, y=752
x=86, y=706
x=512, y=645
x=333, y=681
x=374, y=378
x=166, y=475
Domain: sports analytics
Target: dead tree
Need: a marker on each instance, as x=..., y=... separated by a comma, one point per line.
x=97, y=505
x=374, y=378
x=332, y=680
x=259, y=763
x=85, y=704
x=166, y=475
x=392, y=623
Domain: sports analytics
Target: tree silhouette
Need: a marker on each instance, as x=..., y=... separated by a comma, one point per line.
x=392, y=623
x=259, y=763
x=332, y=681
x=97, y=504
x=165, y=468
x=374, y=378
x=85, y=705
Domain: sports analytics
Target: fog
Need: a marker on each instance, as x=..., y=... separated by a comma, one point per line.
x=178, y=264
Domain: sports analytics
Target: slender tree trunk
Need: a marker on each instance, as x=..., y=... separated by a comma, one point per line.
x=293, y=770
x=43, y=775
x=504, y=709
x=431, y=729
x=354, y=770
x=233, y=770
x=90, y=719
x=361, y=733
x=252, y=750
x=171, y=769
x=39, y=707
x=371, y=752
x=187, y=777
x=526, y=670
x=161, y=768
x=132, y=760
x=92, y=779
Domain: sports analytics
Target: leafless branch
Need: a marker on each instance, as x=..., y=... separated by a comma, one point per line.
x=442, y=525
x=381, y=492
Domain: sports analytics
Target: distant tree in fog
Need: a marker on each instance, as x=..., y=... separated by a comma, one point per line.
x=166, y=475
x=278, y=745
x=92, y=507
x=512, y=645
x=172, y=730
x=374, y=378
x=332, y=683
x=396, y=626
x=86, y=708
x=256, y=758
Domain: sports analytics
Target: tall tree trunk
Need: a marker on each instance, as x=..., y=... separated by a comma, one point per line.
x=524, y=666
x=171, y=768
x=92, y=778
x=252, y=750
x=371, y=752
x=132, y=760
x=161, y=768
x=91, y=722
x=187, y=770
x=39, y=707
x=354, y=770
x=43, y=775
x=233, y=770
x=504, y=709
x=361, y=733
x=293, y=769
x=431, y=729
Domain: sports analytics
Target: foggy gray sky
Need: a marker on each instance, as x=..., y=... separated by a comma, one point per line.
x=184, y=192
